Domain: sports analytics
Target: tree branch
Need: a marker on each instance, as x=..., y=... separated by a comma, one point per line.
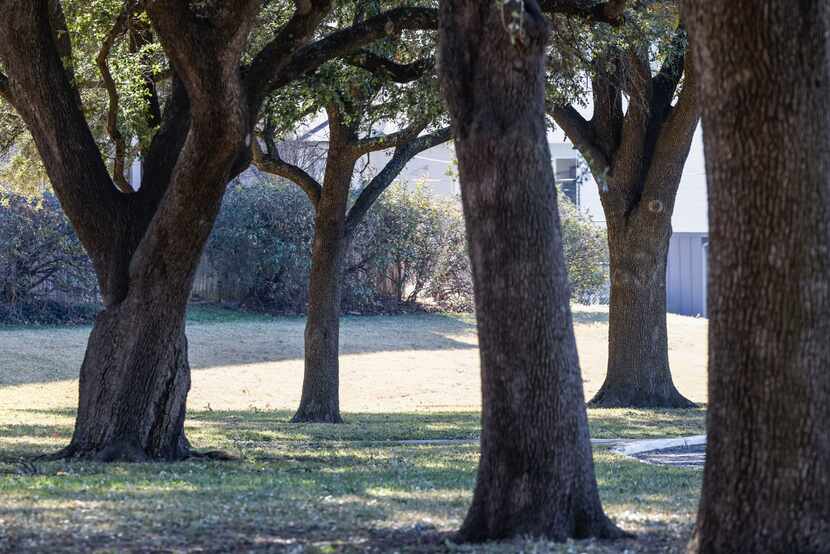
x=605, y=11
x=118, y=29
x=403, y=154
x=140, y=35
x=204, y=42
x=672, y=145
x=392, y=140
x=685, y=115
x=640, y=118
x=192, y=40
x=665, y=82
x=50, y=107
x=260, y=75
x=390, y=70
x=271, y=162
x=342, y=43
x=581, y=132
x=607, y=118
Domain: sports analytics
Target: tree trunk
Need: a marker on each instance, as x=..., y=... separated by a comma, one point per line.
x=133, y=386
x=320, y=400
x=765, y=69
x=637, y=158
x=535, y=475
x=638, y=350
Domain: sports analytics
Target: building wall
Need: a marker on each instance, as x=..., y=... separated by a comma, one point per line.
x=686, y=274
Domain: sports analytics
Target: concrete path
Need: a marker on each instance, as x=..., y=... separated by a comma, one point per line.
x=681, y=452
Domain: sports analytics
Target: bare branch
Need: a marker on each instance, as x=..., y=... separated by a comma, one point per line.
x=118, y=29
x=392, y=140
x=403, y=154
x=390, y=70
x=267, y=74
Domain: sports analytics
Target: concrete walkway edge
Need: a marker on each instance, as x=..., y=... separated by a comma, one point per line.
x=647, y=445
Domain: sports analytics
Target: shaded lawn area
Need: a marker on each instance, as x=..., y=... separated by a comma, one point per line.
x=311, y=488
x=315, y=488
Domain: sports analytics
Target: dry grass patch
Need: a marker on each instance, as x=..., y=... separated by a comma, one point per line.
x=389, y=363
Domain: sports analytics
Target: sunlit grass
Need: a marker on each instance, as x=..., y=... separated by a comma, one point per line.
x=345, y=488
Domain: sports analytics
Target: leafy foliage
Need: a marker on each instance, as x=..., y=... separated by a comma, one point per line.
x=586, y=253
x=580, y=52
x=261, y=249
x=410, y=250
x=44, y=273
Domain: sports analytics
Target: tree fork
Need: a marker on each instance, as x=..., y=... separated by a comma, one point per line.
x=637, y=158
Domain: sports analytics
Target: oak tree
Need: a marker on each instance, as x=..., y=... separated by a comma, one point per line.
x=635, y=144
x=391, y=84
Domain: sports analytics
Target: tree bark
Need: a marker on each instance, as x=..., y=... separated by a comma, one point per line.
x=765, y=69
x=320, y=400
x=536, y=474
x=638, y=351
x=133, y=386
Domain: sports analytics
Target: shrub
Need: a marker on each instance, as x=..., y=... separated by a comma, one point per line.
x=409, y=250
x=259, y=254
x=586, y=253
x=45, y=275
x=260, y=249
x=404, y=242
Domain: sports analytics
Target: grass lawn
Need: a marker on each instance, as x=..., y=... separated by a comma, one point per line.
x=315, y=488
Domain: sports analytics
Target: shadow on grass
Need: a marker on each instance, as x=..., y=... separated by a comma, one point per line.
x=245, y=431
x=349, y=499
x=335, y=495
x=235, y=339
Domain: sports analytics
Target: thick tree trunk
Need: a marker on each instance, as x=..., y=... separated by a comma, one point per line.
x=133, y=386
x=320, y=400
x=638, y=350
x=765, y=71
x=536, y=475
